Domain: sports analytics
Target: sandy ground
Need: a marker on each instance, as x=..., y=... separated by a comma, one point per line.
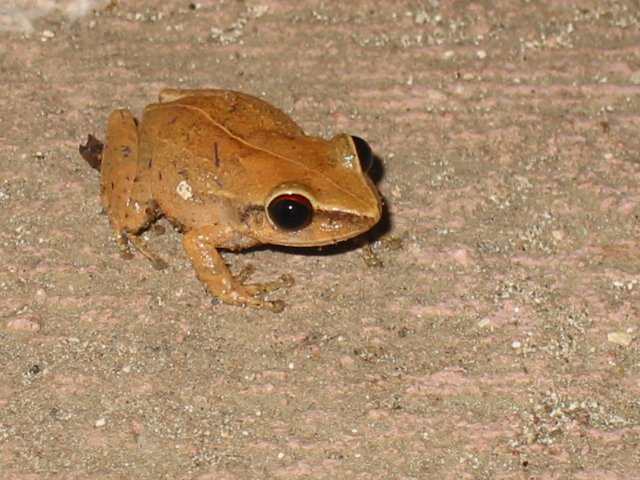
x=498, y=338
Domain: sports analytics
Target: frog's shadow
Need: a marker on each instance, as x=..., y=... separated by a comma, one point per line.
x=376, y=172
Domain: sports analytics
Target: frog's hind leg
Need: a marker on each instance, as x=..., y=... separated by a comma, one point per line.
x=126, y=185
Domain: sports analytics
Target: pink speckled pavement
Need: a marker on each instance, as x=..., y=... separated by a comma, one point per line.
x=491, y=330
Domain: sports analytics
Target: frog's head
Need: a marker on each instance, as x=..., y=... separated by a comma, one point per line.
x=324, y=199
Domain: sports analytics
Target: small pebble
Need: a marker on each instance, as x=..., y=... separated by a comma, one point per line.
x=485, y=322
x=620, y=338
x=421, y=18
x=24, y=324
x=635, y=77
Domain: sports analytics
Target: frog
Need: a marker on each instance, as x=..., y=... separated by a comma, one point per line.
x=230, y=171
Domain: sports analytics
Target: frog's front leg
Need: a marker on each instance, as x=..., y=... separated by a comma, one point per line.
x=201, y=247
x=126, y=186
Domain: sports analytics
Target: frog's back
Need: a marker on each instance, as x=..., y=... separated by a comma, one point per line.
x=242, y=115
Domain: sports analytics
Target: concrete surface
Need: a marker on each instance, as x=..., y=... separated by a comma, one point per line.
x=490, y=332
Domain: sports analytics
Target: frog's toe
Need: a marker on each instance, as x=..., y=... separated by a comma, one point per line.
x=245, y=273
x=123, y=246
x=266, y=287
x=287, y=280
x=276, y=306
x=156, y=261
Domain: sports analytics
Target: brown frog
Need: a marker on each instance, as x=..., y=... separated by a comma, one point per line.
x=230, y=171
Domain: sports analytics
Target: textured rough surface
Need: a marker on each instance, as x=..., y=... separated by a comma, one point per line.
x=499, y=341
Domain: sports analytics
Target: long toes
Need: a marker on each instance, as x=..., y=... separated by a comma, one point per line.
x=245, y=273
x=282, y=282
x=275, y=306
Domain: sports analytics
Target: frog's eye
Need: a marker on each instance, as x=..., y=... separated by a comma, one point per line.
x=290, y=211
x=364, y=153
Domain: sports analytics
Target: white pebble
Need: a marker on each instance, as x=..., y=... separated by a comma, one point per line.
x=485, y=322
x=620, y=338
x=635, y=77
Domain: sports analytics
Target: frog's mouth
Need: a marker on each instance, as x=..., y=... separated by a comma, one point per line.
x=332, y=227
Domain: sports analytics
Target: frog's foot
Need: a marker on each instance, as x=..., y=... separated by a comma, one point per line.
x=237, y=293
x=211, y=270
x=284, y=281
x=123, y=246
x=124, y=239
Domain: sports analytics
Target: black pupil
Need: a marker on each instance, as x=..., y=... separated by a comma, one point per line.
x=291, y=212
